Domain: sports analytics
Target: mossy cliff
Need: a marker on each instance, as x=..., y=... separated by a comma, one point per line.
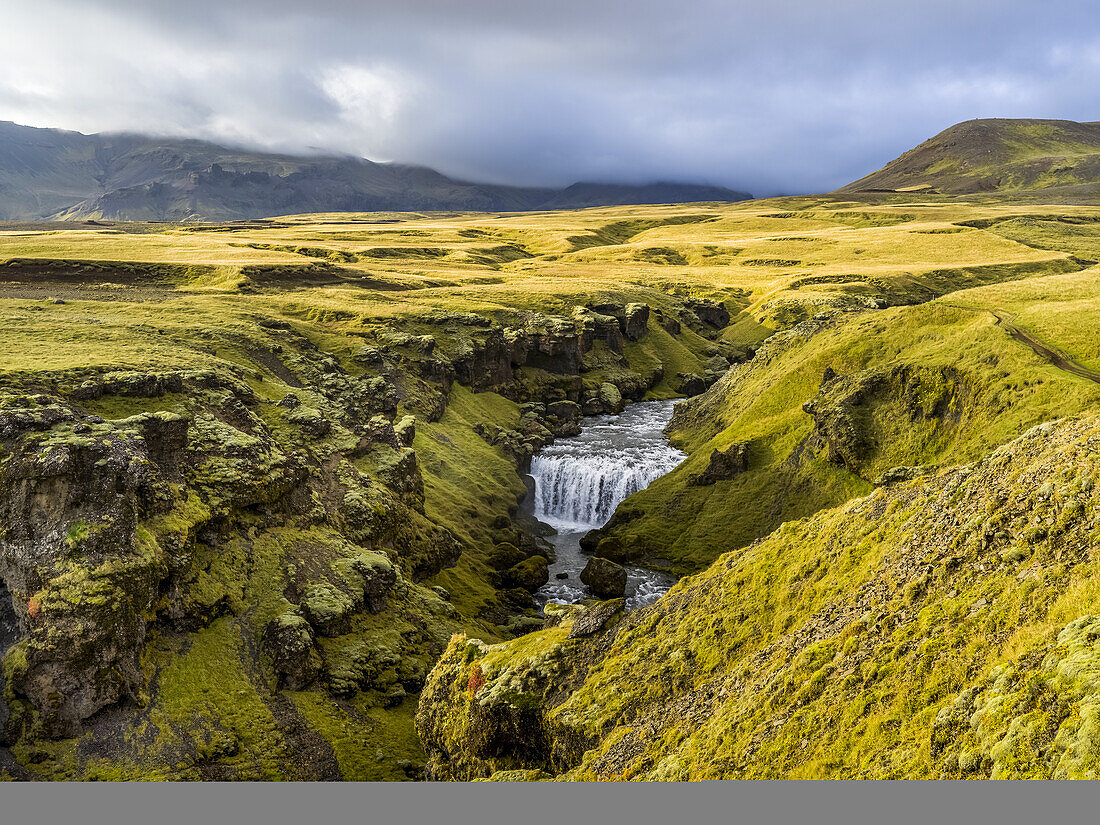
x=938, y=627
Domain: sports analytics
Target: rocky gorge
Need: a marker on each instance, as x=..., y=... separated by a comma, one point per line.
x=271, y=517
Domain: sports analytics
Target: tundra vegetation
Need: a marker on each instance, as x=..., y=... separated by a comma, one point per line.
x=260, y=487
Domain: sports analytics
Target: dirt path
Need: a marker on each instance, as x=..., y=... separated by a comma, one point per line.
x=1047, y=352
x=1050, y=353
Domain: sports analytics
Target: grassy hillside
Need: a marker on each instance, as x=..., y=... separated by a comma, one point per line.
x=1059, y=158
x=943, y=628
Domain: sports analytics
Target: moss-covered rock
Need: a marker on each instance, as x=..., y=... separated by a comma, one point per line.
x=288, y=640
x=723, y=465
x=610, y=398
x=530, y=574
x=327, y=608
x=604, y=578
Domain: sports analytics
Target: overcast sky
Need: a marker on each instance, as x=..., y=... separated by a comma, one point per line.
x=776, y=96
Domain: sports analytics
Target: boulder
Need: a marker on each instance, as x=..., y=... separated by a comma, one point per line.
x=604, y=578
x=564, y=410
x=328, y=609
x=724, y=464
x=79, y=580
x=370, y=576
x=505, y=555
x=564, y=418
x=530, y=574
x=611, y=399
x=552, y=343
x=485, y=361
x=288, y=640
x=521, y=625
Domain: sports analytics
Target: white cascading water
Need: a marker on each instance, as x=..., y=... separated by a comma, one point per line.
x=578, y=485
x=579, y=481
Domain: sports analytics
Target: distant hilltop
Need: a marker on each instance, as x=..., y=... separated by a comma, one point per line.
x=1051, y=157
x=54, y=174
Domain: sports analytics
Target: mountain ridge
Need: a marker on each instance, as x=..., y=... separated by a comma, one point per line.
x=56, y=174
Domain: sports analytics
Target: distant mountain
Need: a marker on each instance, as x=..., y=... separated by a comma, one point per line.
x=49, y=173
x=580, y=195
x=1058, y=157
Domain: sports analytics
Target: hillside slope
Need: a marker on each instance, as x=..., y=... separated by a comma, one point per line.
x=48, y=173
x=997, y=155
x=941, y=628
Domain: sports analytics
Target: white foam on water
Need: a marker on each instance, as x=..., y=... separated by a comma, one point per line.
x=579, y=481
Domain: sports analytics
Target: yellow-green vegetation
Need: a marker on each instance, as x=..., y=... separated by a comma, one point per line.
x=943, y=627
x=1033, y=159
x=936, y=384
x=254, y=476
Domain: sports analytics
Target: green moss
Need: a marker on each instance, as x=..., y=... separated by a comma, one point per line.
x=371, y=744
x=77, y=532
x=207, y=687
x=850, y=667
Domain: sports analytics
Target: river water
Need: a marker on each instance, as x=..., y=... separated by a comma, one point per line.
x=579, y=481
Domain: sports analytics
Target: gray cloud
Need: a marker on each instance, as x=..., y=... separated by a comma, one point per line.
x=784, y=96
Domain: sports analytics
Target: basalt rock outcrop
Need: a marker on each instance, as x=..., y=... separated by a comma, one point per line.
x=633, y=318
x=856, y=416
x=723, y=465
x=699, y=312
x=529, y=357
x=105, y=527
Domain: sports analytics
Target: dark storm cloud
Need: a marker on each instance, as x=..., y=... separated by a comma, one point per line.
x=776, y=96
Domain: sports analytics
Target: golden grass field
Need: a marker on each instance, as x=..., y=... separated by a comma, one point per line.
x=766, y=257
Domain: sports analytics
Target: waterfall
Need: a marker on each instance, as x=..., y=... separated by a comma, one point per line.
x=579, y=488
x=579, y=481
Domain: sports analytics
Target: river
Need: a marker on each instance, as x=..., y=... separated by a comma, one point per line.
x=580, y=480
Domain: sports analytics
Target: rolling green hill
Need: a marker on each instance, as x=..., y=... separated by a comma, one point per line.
x=1059, y=158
